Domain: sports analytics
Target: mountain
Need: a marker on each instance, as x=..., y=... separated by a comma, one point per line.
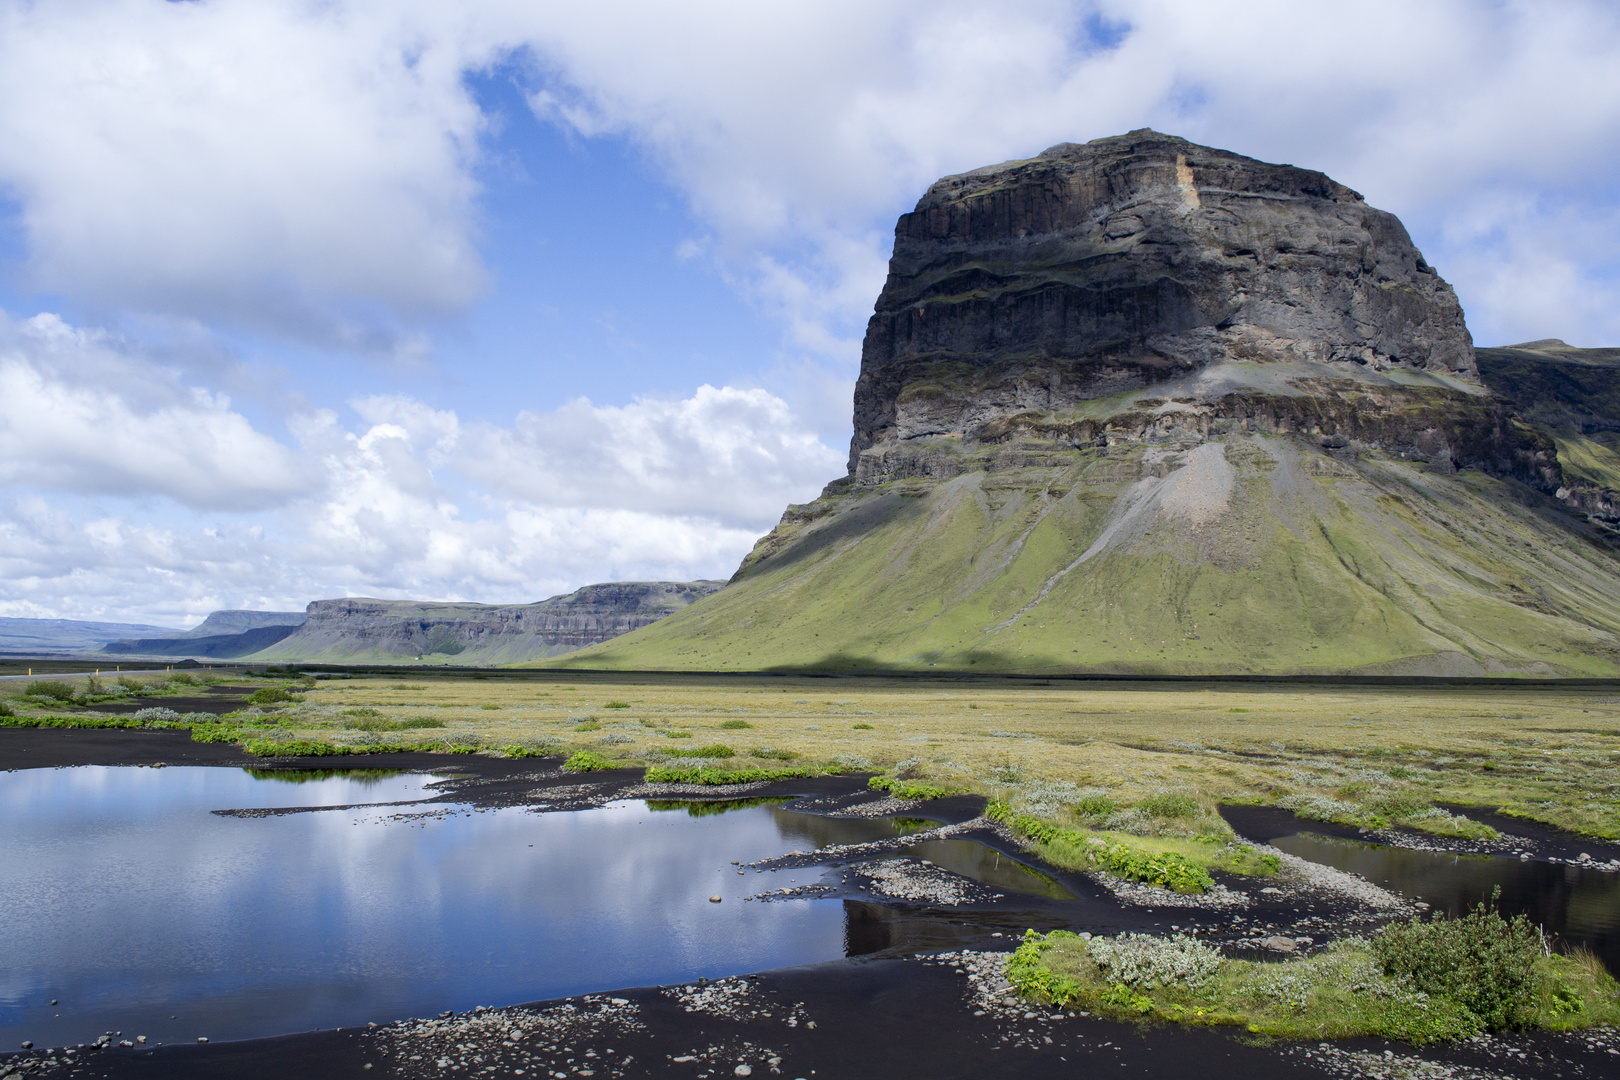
x=1144, y=406
x=224, y=635
x=362, y=630
x=1572, y=396
x=36, y=636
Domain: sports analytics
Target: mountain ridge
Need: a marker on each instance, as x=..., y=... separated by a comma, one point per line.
x=1140, y=406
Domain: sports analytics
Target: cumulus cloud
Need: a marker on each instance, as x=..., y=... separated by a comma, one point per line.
x=290, y=166
x=309, y=166
x=724, y=453
x=165, y=504
x=79, y=414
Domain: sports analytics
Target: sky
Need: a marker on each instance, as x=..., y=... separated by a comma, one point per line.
x=490, y=300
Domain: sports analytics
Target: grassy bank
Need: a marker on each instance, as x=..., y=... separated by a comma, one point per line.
x=1115, y=760
x=1420, y=982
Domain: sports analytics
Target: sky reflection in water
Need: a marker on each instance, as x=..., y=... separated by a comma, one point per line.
x=128, y=901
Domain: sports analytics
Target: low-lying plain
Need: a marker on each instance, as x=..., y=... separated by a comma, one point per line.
x=1076, y=752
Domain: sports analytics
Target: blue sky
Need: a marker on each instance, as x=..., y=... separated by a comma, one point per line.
x=490, y=301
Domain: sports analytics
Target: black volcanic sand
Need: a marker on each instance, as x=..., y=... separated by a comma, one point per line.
x=887, y=1012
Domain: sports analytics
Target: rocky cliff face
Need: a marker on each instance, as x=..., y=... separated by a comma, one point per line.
x=1572, y=398
x=1142, y=406
x=1144, y=287
x=363, y=629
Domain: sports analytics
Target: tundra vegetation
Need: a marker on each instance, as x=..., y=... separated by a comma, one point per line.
x=1139, y=762
x=1422, y=981
x=1123, y=778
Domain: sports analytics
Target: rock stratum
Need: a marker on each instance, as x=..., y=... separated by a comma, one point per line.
x=1140, y=405
x=363, y=630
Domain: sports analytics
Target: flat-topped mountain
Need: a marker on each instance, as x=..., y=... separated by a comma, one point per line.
x=1140, y=405
x=364, y=630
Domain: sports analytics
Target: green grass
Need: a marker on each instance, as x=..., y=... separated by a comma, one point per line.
x=1348, y=990
x=711, y=775
x=587, y=761
x=716, y=751
x=1374, y=566
x=1153, y=861
x=908, y=789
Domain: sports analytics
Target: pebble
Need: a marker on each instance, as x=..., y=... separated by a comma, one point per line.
x=714, y=899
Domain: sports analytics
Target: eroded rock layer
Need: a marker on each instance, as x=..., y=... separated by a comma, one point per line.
x=360, y=629
x=1144, y=286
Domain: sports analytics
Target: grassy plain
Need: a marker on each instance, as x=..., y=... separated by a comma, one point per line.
x=1131, y=758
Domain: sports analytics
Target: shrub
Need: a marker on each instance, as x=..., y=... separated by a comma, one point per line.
x=862, y=727
x=182, y=677
x=53, y=689
x=588, y=725
x=586, y=761
x=490, y=708
x=1170, y=804
x=735, y=725
x=1147, y=962
x=907, y=789
x=852, y=763
x=1482, y=961
x=615, y=738
x=716, y=751
x=707, y=774
x=157, y=715
x=5, y=710
x=1096, y=805
x=373, y=721
x=772, y=753
x=620, y=705
x=269, y=695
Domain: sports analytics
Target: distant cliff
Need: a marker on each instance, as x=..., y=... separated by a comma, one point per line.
x=363, y=630
x=224, y=635
x=1572, y=396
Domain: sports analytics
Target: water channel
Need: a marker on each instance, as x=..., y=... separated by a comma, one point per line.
x=137, y=906
x=184, y=902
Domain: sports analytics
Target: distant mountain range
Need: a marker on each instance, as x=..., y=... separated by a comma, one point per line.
x=363, y=630
x=37, y=636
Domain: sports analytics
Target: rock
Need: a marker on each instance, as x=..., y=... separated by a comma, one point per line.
x=1019, y=291
x=714, y=899
x=28, y=1044
x=1271, y=890
x=1141, y=359
x=202, y=1038
x=1280, y=944
x=551, y=627
x=743, y=1070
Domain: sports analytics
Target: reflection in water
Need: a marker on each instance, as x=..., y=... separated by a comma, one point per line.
x=1580, y=905
x=129, y=901
x=366, y=777
x=982, y=863
x=711, y=807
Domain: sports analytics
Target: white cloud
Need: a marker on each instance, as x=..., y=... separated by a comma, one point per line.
x=723, y=453
x=291, y=166
x=79, y=414
x=308, y=166
x=166, y=504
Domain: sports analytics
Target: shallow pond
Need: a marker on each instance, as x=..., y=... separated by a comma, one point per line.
x=1579, y=904
x=141, y=909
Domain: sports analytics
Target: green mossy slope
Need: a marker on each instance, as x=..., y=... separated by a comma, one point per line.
x=1256, y=554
